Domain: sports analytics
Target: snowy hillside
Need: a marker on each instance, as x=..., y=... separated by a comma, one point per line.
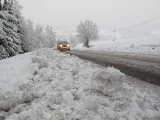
x=145, y=45
x=49, y=85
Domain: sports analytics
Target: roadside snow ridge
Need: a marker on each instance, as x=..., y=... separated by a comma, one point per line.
x=50, y=85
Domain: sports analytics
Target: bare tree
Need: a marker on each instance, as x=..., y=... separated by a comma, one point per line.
x=39, y=36
x=87, y=31
x=50, y=37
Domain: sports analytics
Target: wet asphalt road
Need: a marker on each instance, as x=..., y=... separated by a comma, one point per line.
x=142, y=66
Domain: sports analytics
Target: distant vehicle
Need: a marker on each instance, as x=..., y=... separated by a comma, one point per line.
x=63, y=45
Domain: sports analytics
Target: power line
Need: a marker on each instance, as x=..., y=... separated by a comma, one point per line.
x=140, y=24
x=135, y=26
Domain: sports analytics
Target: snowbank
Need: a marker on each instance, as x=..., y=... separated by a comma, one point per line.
x=49, y=85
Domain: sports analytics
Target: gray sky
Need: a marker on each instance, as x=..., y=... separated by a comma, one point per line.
x=107, y=14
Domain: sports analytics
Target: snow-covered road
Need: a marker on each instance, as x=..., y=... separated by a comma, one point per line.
x=50, y=85
x=143, y=66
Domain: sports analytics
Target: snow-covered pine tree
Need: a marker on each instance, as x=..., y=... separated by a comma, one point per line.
x=17, y=9
x=10, y=7
x=10, y=37
x=0, y=5
x=22, y=25
x=5, y=5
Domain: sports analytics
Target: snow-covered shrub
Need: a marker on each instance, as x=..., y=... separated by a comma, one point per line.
x=107, y=82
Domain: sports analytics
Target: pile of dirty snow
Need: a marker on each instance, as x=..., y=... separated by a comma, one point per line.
x=49, y=85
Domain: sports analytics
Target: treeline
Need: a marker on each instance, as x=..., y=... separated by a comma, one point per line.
x=18, y=35
x=36, y=36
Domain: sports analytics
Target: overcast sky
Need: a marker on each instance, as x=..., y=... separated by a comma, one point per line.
x=107, y=14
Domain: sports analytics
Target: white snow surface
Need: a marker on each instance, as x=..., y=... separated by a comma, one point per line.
x=143, y=45
x=50, y=85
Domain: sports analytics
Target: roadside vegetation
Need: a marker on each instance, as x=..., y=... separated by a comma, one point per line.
x=18, y=35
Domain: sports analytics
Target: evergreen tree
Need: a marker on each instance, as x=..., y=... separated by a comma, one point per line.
x=10, y=39
x=5, y=5
x=10, y=7
x=0, y=5
x=10, y=29
x=17, y=9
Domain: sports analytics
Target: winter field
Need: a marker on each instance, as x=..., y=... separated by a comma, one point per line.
x=49, y=85
x=144, y=45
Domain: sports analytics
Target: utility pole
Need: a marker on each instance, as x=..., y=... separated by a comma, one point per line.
x=114, y=37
